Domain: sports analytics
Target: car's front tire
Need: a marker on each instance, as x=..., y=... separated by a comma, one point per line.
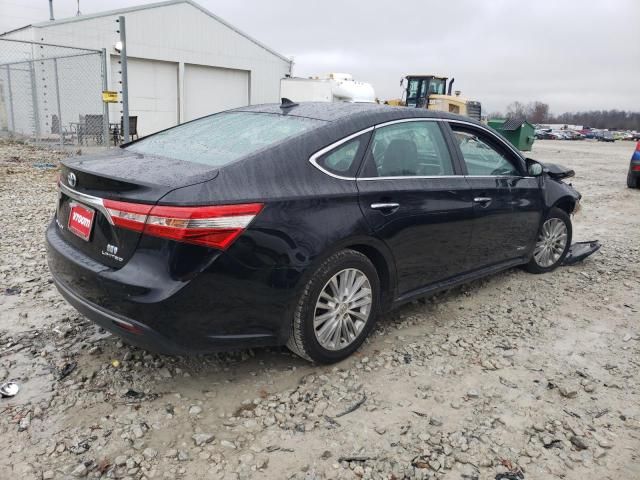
x=337, y=308
x=553, y=242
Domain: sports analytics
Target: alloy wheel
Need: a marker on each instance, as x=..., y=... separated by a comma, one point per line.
x=551, y=243
x=343, y=309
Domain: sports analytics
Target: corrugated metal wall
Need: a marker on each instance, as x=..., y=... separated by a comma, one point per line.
x=179, y=33
x=153, y=93
x=202, y=87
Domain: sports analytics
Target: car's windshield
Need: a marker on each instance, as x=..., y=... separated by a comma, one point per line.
x=218, y=140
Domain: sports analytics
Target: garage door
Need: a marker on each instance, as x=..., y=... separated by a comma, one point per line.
x=153, y=93
x=210, y=89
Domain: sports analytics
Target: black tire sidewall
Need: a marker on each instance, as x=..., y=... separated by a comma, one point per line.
x=347, y=259
x=533, y=266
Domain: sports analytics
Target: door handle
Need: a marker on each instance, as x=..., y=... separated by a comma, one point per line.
x=385, y=206
x=483, y=201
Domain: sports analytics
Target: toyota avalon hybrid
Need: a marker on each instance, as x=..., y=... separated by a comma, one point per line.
x=296, y=224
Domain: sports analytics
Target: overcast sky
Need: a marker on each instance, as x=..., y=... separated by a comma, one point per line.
x=571, y=54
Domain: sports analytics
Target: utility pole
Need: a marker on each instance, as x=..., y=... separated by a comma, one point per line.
x=125, y=85
x=105, y=105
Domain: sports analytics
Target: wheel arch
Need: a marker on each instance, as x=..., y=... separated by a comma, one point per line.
x=566, y=203
x=559, y=195
x=376, y=251
x=384, y=269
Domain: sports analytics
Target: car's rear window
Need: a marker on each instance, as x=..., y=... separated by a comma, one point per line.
x=220, y=139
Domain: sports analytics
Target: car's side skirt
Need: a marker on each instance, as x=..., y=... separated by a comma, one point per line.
x=458, y=280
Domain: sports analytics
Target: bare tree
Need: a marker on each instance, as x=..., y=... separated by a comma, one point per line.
x=537, y=112
x=611, y=119
x=516, y=110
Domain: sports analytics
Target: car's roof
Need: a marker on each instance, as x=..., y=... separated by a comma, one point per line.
x=341, y=111
x=327, y=111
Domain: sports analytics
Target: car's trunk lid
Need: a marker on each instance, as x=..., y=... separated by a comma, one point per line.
x=124, y=176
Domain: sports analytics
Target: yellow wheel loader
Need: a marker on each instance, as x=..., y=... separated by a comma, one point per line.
x=433, y=93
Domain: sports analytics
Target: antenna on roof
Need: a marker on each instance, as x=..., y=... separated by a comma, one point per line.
x=286, y=103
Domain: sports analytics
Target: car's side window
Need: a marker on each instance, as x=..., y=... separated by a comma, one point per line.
x=408, y=149
x=481, y=158
x=341, y=159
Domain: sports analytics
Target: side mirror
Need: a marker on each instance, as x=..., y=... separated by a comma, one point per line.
x=534, y=168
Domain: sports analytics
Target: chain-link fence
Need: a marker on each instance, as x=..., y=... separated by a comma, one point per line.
x=52, y=95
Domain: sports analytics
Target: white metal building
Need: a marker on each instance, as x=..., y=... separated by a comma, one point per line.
x=183, y=61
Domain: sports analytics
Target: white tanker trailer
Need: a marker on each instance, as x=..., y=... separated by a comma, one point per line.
x=335, y=87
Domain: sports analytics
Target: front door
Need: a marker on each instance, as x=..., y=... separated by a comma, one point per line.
x=507, y=202
x=416, y=201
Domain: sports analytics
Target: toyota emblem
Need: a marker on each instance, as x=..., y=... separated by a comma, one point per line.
x=71, y=179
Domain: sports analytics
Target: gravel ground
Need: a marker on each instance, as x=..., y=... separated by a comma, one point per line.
x=517, y=376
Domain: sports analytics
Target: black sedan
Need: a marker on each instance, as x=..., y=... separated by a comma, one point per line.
x=296, y=224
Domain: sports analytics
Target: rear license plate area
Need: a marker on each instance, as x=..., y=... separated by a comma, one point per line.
x=80, y=220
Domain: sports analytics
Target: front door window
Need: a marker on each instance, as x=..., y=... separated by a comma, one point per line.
x=481, y=158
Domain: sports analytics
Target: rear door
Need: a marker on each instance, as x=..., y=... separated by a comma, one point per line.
x=414, y=198
x=507, y=203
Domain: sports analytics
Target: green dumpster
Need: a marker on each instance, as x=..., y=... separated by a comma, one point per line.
x=518, y=131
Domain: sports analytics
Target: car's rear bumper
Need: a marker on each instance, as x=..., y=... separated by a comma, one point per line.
x=218, y=305
x=122, y=326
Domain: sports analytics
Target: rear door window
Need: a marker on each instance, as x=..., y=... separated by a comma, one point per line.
x=220, y=139
x=344, y=159
x=408, y=149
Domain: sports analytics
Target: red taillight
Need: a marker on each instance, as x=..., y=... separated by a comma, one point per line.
x=128, y=215
x=635, y=168
x=638, y=147
x=211, y=226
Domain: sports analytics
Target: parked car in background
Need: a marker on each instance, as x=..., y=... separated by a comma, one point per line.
x=627, y=136
x=572, y=135
x=605, y=136
x=296, y=224
x=540, y=133
x=558, y=135
x=633, y=177
x=618, y=135
x=544, y=134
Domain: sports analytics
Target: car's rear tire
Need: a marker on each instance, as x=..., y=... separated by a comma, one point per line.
x=342, y=296
x=632, y=180
x=552, y=244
